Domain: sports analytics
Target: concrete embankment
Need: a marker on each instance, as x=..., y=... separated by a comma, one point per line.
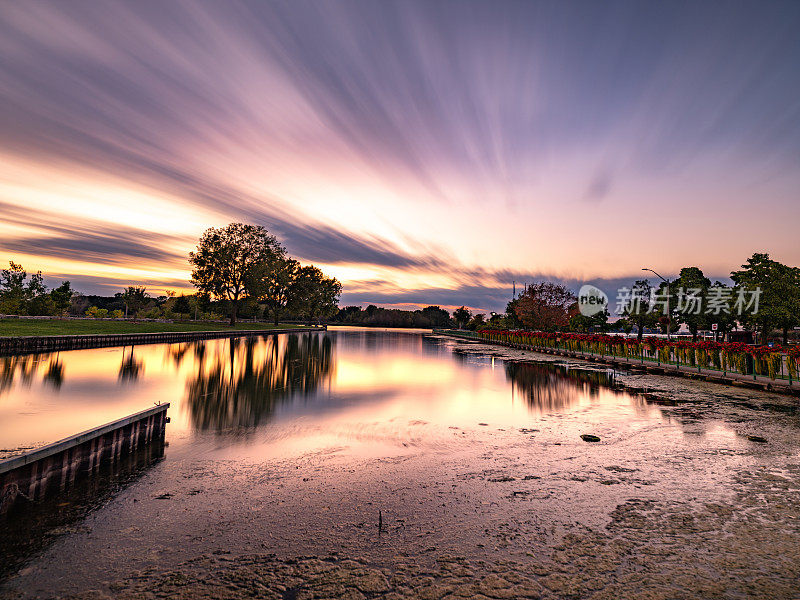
x=50, y=343
x=57, y=466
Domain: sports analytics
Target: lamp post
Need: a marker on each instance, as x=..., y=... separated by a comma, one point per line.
x=669, y=316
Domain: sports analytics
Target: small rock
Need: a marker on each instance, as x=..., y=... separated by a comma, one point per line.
x=757, y=438
x=619, y=469
x=588, y=437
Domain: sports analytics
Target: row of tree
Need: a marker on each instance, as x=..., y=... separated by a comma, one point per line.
x=244, y=264
x=373, y=316
x=548, y=306
x=776, y=285
x=21, y=294
x=136, y=302
x=242, y=270
x=25, y=294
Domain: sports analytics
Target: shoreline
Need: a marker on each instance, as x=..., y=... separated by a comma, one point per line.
x=755, y=382
x=679, y=498
x=49, y=343
x=574, y=519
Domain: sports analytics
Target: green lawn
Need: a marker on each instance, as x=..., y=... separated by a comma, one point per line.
x=20, y=327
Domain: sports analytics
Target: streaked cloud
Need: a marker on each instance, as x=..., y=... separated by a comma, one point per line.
x=409, y=147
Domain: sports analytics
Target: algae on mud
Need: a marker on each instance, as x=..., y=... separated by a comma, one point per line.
x=472, y=457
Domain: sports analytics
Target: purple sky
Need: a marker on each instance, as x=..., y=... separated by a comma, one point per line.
x=427, y=152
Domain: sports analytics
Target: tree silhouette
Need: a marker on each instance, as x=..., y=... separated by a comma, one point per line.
x=130, y=368
x=224, y=263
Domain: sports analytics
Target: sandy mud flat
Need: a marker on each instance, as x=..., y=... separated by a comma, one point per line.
x=701, y=501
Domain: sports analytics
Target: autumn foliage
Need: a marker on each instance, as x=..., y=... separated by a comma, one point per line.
x=544, y=306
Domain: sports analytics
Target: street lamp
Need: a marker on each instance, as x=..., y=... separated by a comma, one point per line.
x=669, y=316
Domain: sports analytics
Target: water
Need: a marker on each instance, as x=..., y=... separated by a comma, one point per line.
x=373, y=392
x=301, y=444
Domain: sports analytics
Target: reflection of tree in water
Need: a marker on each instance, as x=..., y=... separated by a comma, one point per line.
x=54, y=375
x=554, y=387
x=130, y=369
x=18, y=368
x=242, y=389
x=8, y=370
x=177, y=352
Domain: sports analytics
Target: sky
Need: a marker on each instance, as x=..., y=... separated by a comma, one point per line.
x=421, y=152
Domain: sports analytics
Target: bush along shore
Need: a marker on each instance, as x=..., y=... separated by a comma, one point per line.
x=775, y=362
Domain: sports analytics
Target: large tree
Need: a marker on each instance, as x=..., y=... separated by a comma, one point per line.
x=272, y=283
x=39, y=300
x=462, y=316
x=13, y=295
x=182, y=306
x=438, y=317
x=135, y=298
x=511, y=314
x=778, y=289
x=717, y=308
x=698, y=304
x=690, y=291
x=225, y=259
x=635, y=307
x=62, y=297
x=313, y=295
x=545, y=306
x=20, y=295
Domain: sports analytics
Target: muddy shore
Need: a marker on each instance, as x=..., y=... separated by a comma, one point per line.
x=703, y=503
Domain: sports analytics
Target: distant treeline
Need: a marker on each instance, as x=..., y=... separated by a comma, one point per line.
x=25, y=294
x=133, y=303
x=374, y=316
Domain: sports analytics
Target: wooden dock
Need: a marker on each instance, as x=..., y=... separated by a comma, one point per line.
x=56, y=467
x=52, y=343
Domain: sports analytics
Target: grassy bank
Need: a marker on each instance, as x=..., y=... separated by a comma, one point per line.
x=23, y=327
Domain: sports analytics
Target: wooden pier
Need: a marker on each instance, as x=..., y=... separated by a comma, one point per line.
x=52, y=343
x=56, y=467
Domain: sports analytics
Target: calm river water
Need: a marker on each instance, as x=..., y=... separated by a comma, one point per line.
x=404, y=451
x=375, y=392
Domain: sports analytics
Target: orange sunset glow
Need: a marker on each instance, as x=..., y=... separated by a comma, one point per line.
x=411, y=182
